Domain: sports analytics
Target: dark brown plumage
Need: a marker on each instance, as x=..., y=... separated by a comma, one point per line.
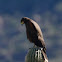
x=34, y=33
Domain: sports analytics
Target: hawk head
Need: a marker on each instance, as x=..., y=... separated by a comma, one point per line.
x=24, y=20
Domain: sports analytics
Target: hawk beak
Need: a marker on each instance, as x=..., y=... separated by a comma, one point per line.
x=22, y=22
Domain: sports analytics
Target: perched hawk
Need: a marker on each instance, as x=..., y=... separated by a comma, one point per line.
x=34, y=33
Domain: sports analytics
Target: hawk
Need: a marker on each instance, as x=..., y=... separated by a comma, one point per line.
x=34, y=33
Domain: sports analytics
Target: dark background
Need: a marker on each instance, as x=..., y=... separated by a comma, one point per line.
x=13, y=40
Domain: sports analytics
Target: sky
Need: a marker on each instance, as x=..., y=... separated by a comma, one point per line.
x=13, y=40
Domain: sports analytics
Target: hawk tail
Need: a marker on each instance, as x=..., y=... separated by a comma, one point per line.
x=44, y=49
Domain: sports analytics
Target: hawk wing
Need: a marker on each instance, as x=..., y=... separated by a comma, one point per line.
x=39, y=32
x=37, y=28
